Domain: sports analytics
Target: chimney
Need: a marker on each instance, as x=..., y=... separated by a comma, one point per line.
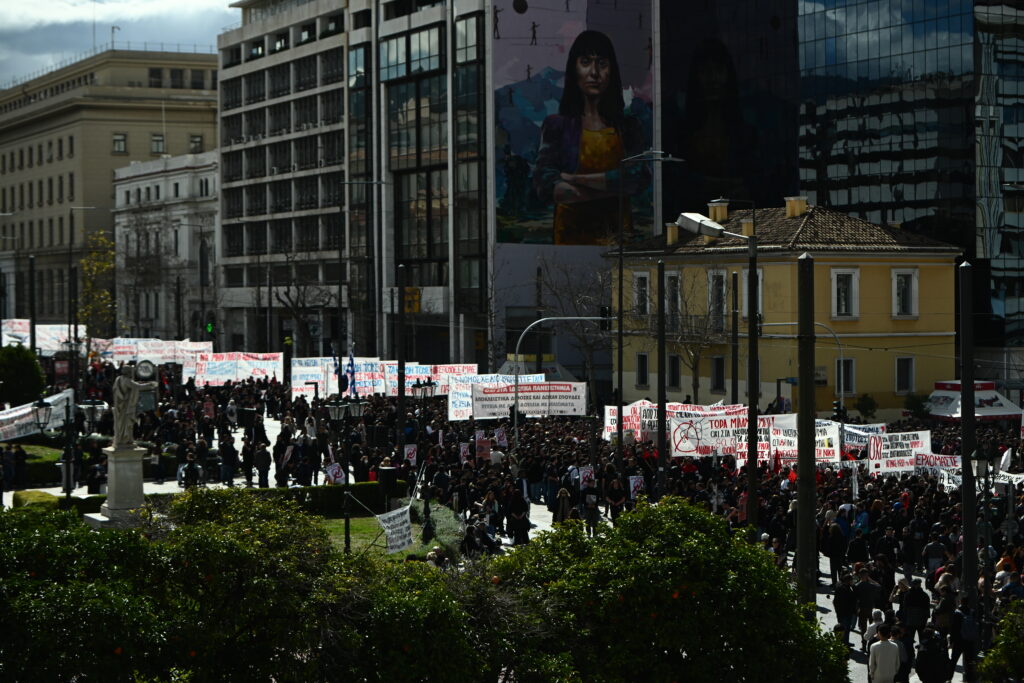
x=671, y=234
x=718, y=210
x=747, y=227
x=796, y=206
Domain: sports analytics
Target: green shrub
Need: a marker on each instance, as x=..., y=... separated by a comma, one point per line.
x=39, y=499
x=1005, y=660
x=83, y=506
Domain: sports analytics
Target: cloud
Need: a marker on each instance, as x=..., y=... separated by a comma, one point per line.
x=193, y=26
x=20, y=16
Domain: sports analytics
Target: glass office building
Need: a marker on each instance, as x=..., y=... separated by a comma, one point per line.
x=905, y=112
x=910, y=114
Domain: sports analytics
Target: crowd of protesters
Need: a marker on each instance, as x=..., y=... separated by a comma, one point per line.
x=894, y=544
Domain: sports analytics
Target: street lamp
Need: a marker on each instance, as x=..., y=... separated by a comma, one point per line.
x=653, y=155
x=73, y=296
x=42, y=411
x=702, y=225
x=340, y=412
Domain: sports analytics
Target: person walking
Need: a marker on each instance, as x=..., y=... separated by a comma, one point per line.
x=884, y=657
x=845, y=603
x=262, y=462
x=964, y=635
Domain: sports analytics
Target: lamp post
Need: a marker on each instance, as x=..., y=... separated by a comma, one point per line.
x=42, y=410
x=702, y=225
x=653, y=155
x=73, y=298
x=340, y=412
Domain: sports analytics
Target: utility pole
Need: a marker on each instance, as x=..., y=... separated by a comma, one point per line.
x=662, y=396
x=806, y=548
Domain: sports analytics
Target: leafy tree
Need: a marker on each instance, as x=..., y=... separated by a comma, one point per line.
x=917, y=405
x=866, y=405
x=1005, y=660
x=668, y=594
x=21, y=378
x=96, y=306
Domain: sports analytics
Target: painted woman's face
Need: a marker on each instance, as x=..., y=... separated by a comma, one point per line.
x=593, y=74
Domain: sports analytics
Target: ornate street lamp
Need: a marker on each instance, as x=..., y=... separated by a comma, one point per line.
x=42, y=411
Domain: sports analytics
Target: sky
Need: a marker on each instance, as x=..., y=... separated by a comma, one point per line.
x=36, y=35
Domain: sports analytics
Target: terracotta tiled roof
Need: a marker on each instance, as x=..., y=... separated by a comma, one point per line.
x=818, y=229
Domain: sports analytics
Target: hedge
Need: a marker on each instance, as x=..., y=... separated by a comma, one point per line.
x=40, y=499
x=43, y=473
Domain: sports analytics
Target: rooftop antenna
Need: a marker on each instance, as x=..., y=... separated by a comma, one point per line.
x=112, y=29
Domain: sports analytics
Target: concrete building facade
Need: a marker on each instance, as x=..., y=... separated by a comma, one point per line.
x=165, y=226
x=63, y=134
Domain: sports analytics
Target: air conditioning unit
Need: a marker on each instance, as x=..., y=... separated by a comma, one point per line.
x=322, y=163
x=273, y=170
x=295, y=167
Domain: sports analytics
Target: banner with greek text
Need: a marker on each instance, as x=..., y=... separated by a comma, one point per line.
x=21, y=420
x=397, y=526
x=460, y=394
x=895, y=452
x=539, y=399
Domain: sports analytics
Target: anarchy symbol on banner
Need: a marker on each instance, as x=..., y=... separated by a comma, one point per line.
x=685, y=438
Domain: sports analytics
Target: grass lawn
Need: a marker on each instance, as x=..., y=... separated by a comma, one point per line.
x=365, y=529
x=42, y=453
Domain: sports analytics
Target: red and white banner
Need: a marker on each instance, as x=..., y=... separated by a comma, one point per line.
x=538, y=399
x=895, y=452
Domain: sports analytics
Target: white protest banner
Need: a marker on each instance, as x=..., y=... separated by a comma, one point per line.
x=586, y=475
x=442, y=375
x=499, y=437
x=260, y=365
x=535, y=398
x=215, y=369
x=647, y=429
x=414, y=372
x=897, y=451
x=397, y=526
x=334, y=474
x=826, y=441
x=157, y=351
x=188, y=350
x=410, y=453
x=464, y=452
x=311, y=370
x=20, y=420
x=696, y=435
x=636, y=486
x=932, y=463
x=460, y=393
x=855, y=437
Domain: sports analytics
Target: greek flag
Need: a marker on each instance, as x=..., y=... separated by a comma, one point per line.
x=350, y=370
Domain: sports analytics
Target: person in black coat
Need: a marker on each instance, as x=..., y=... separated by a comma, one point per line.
x=835, y=550
x=845, y=603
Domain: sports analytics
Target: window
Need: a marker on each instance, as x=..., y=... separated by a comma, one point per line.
x=307, y=33
x=904, y=293
x=672, y=302
x=176, y=190
x=467, y=39
x=198, y=79
x=904, y=375
x=127, y=197
x=195, y=144
x=642, y=378
x=425, y=50
x=177, y=78
x=745, y=293
x=60, y=149
x=718, y=374
x=357, y=67
x=333, y=24
x=641, y=294
x=716, y=300
x=71, y=145
x=280, y=42
x=674, y=379
x=156, y=192
x=845, y=292
x=392, y=58
x=156, y=143
x=120, y=143
x=846, y=376
x=71, y=186
x=156, y=78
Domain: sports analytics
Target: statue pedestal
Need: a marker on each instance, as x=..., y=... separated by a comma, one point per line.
x=124, y=488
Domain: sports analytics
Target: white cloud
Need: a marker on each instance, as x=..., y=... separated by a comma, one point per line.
x=40, y=13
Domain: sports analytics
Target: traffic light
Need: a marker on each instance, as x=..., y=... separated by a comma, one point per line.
x=837, y=411
x=760, y=322
x=209, y=328
x=606, y=318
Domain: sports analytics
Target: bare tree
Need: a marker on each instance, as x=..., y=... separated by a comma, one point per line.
x=302, y=295
x=578, y=290
x=695, y=321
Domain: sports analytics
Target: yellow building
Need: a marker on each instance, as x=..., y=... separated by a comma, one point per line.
x=887, y=295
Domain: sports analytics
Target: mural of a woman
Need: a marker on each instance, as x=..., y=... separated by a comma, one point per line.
x=581, y=147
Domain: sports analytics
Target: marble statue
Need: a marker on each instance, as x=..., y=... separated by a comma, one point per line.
x=126, y=401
